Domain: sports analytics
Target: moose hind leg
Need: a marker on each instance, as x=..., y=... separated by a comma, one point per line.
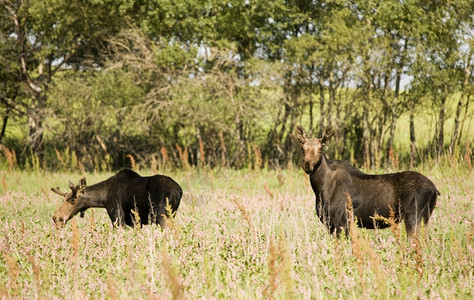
x=413, y=228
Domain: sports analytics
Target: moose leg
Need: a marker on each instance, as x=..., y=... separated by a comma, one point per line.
x=116, y=215
x=161, y=218
x=413, y=229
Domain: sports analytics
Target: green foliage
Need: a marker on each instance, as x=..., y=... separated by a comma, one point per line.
x=93, y=106
x=106, y=79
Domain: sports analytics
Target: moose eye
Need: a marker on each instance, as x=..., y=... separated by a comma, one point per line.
x=72, y=200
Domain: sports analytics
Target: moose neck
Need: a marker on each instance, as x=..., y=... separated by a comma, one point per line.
x=95, y=195
x=319, y=174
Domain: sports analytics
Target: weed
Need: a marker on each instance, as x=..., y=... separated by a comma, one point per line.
x=171, y=275
x=132, y=162
x=231, y=241
x=202, y=157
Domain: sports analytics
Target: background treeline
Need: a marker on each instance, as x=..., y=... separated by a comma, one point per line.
x=100, y=84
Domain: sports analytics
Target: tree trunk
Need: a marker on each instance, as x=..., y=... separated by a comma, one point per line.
x=457, y=120
x=464, y=119
x=365, y=137
x=394, y=116
x=322, y=122
x=439, y=138
x=332, y=98
x=310, y=95
x=393, y=125
x=4, y=125
x=412, y=135
x=35, y=135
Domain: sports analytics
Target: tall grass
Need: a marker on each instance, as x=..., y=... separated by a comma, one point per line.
x=230, y=239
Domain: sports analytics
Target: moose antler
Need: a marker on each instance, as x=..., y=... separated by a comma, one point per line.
x=57, y=191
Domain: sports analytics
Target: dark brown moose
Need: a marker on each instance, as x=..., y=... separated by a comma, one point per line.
x=410, y=195
x=125, y=195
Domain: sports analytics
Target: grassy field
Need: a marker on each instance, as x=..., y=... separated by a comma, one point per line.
x=237, y=235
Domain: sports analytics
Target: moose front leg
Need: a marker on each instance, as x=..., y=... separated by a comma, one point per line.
x=117, y=215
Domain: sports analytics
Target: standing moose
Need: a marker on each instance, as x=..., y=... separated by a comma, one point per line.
x=410, y=195
x=125, y=195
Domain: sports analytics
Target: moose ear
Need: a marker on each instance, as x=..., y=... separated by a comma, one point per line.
x=328, y=133
x=300, y=135
x=71, y=185
x=82, y=183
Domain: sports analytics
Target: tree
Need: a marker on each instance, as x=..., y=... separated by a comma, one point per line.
x=46, y=37
x=439, y=64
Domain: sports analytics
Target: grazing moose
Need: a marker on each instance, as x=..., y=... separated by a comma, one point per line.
x=125, y=195
x=410, y=195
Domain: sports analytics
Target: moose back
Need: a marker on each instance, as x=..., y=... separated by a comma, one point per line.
x=125, y=196
x=409, y=195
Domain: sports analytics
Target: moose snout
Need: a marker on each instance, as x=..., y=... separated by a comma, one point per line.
x=308, y=166
x=59, y=221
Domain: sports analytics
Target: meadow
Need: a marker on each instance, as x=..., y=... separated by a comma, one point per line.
x=237, y=235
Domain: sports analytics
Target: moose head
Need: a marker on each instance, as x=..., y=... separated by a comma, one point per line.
x=312, y=147
x=73, y=203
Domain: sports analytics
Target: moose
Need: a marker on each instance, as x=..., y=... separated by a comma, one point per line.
x=408, y=196
x=127, y=197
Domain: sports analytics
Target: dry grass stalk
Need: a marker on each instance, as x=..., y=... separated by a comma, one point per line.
x=13, y=272
x=112, y=290
x=170, y=223
x=286, y=269
x=152, y=296
x=362, y=249
x=279, y=270
x=92, y=221
x=202, y=158
x=74, y=160
x=270, y=289
x=223, y=149
x=306, y=181
x=164, y=155
x=136, y=218
x=267, y=189
x=355, y=242
x=289, y=165
x=132, y=161
x=171, y=275
x=280, y=178
x=418, y=257
x=36, y=271
x=394, y=226
x=34, y=265
x=183, y=156
x=74, y=239
x=186, y=158
x=3, y=293
x=376, y=266
x=81, y=167
x=60, y=158
x=467, y=157
x=395, y=229
x=10, y=156
x=394, y=159
x=258, y=157
x=392, y=220
x=154, y=165
x=337, y=256
x=23, y=227
x=243, y=211
x=4, y=184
